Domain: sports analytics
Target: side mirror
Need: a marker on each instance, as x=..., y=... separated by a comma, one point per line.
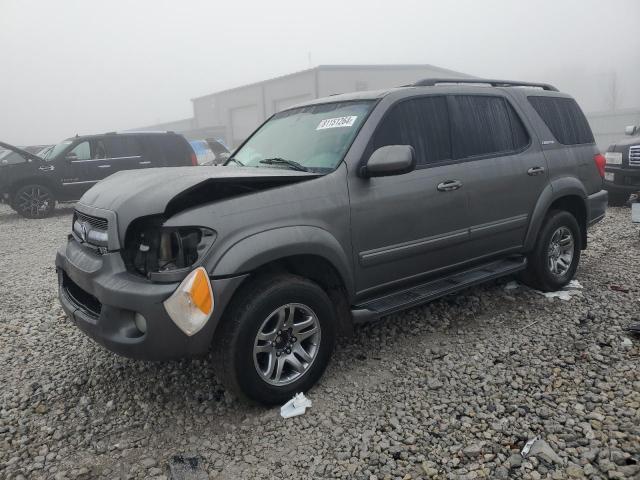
x=71, y=156
x=631, y=130
x=390, y=160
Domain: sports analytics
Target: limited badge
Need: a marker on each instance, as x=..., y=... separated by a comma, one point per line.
x=338, y=122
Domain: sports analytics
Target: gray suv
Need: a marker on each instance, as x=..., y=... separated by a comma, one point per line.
x=331, y=213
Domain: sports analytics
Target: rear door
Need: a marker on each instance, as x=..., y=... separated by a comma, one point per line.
x=506, y=169
x=406, y=226
x=123, y=152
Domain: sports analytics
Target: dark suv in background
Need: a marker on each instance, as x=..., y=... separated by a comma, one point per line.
x=32, y=184
x=333, y=212
x=622, y=175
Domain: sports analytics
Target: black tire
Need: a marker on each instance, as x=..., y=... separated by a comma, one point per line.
x=618, y=199
x=33, y=201
x=538, y=273
x=235, y=340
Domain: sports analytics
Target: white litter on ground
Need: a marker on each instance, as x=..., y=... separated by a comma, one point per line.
x=296, y=406
x=527, y=447
x=512, y=285
x=571, y=289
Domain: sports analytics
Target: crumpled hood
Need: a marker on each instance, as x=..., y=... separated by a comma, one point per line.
x=136, y=193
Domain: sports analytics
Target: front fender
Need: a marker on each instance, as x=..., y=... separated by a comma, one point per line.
x=557, y=188
x=261, y=248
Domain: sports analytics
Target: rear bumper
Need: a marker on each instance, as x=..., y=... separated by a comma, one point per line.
x=102, y=298
x=597, y=206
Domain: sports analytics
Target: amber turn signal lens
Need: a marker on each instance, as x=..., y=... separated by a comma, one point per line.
x=201, y=292
x=191, y=305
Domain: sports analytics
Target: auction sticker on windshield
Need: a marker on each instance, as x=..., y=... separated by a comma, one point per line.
x=337, y=122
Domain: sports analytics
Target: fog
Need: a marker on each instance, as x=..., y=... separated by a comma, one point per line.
x=72, y=67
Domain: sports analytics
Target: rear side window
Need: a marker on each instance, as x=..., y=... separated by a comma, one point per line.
x=422, y=123
x=564, y=118
x=175, y=150
x=121, y=146
x=484, y=125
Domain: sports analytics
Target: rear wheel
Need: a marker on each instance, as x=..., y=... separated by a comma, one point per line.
x=618, y=199
x=33, y=201
x=556, y=254
x=276, y=339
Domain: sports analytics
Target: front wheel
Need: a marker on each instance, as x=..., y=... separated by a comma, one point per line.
x=556, y=254
x=33, y=201
x=276, y=339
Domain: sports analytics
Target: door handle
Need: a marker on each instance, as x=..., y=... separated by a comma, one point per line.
x=104, y=166
x=449, y=185
x=535, y=171
x=145, y=163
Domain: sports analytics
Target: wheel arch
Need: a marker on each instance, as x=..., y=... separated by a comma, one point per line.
x=308, y=252
x=33, y=180
x=566, y=193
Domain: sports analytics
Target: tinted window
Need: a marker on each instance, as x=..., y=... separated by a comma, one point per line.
x=175, y=150
x=564, y=118
x=483, y=125
x=422, y=123
x=121, y=146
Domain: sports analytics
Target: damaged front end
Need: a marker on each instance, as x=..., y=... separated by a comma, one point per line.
x=164, y=254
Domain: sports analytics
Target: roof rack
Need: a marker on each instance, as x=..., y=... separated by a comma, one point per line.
x=430, y=82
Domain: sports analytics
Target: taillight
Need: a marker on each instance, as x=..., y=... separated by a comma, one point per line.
x=600, y=163
x=194, y=160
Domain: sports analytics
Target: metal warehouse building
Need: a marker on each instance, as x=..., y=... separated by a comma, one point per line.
x=233, y=114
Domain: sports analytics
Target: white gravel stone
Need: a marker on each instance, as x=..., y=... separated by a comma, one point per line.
x=452, y=389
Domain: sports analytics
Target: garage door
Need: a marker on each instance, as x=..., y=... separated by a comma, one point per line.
x=244, y=121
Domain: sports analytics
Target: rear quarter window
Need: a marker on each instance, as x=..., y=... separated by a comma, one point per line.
x=168, y=150
x=564, y=118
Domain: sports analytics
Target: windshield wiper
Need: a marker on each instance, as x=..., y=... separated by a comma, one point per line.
x=282, y=161
x=231, y=159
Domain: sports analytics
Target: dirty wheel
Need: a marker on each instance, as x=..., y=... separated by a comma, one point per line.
x=556, y=254
x=276, y=339
x=33, y=201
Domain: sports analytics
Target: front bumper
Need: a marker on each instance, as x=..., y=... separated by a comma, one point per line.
x=597, y=206
x=102, y=298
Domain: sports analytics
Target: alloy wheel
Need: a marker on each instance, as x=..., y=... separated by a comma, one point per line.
x=34, y=201
x=561, y=250
x=287, y=343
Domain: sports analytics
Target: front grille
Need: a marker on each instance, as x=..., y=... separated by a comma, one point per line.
x=91, y=230
x=96, y=222
x=634, y=156
x=81, y=299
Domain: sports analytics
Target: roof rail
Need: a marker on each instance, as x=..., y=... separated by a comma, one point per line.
x=430, y=82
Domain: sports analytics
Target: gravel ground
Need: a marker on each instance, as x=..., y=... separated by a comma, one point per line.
x=453, y=389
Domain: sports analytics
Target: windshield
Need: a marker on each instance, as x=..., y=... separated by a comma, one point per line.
x=316, y=137
x=55, y=151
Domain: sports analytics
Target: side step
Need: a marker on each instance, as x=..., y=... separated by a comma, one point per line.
x=426, y=292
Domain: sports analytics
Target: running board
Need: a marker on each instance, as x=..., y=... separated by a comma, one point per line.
x=426, y=292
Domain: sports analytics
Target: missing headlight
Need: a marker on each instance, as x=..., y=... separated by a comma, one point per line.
x=155, y=251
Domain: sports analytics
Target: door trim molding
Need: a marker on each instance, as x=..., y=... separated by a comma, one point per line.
x=498, y=226
x=408, y=249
